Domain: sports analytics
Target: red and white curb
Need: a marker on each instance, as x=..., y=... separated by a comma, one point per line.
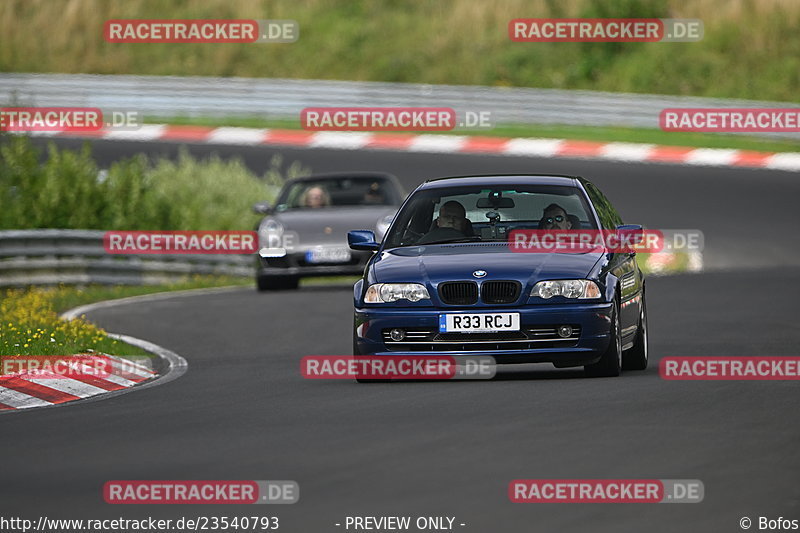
x=458, y=144
x=21, y=391
x=18, y=393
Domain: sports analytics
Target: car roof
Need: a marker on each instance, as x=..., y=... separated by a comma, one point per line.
x=501, y=179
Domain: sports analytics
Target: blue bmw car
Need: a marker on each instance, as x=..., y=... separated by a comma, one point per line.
x=446, y=281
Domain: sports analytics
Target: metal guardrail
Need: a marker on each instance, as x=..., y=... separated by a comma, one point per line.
x=77, y=257
x=169, y=96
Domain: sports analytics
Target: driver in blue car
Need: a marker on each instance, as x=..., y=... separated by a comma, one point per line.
x=450, y=225
x=555, y=217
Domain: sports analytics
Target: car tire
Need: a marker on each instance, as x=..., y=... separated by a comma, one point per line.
x=637, y=356
x=277, y=283
x=610, y=363
x=355, y=342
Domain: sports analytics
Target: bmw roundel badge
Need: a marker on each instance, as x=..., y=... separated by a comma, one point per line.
x=479, y=273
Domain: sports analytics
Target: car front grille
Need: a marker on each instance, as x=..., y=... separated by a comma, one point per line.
x=430, y=340
x=492, y=292
x=500, y=292
x=458, y=292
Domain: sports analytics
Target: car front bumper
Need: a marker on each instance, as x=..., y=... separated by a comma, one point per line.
x=295, y=264
x=537, y=342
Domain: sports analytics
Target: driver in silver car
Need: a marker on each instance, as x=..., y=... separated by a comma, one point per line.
x=316, y=197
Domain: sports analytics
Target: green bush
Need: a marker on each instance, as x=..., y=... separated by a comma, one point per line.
x=67, y=189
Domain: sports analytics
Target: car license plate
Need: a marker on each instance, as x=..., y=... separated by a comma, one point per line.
x=478, y=323
x=328, y=255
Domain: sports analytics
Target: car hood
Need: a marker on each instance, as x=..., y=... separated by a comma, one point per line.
x=330, y=225
x=437, y=263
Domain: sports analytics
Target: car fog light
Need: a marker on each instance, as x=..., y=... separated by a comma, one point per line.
x=564, y=331
x=397, y=334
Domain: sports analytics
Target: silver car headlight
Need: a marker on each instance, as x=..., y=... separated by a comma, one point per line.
x=270, y=232
x=581, y=289
x=270, y=238
x=383, y=226
x=380, y=293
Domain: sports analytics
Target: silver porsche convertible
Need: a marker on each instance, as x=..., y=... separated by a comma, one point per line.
x=305, y=233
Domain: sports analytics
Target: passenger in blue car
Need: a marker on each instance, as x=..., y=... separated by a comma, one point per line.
x=450, y=225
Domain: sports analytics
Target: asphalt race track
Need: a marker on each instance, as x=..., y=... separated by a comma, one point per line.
x=243, y=411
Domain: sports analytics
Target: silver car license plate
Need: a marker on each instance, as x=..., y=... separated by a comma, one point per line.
x=328, y=255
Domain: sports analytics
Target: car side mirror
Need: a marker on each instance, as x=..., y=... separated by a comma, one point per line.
x=262, y=208
x=632, y=233
x=362, y=240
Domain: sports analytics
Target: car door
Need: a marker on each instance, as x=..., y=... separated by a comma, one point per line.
x=622, y=265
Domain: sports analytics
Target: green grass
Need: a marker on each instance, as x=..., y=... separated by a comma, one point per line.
x=585, y=133
x=31, y=326
x=30, y=323
x=750, y=48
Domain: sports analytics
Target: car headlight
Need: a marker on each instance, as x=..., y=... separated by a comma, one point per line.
x=391, y=292
x=270, y=232
x=383, y=226
x=569, y=288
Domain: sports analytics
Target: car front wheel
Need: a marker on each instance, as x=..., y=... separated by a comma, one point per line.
x=637, y=356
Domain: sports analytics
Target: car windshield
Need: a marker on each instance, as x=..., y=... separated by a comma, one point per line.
x=465, y=214
x=337, y=192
